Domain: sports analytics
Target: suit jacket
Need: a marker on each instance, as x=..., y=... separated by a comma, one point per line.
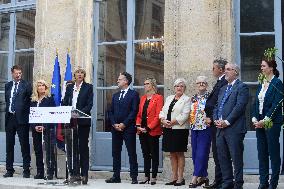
x=45, y=102
x=213, y=97
x=180, y=111
x=84, y=100
x=124, y=110
x=234, y=108
x=22, y=100
x=153, y=110
x=271, y=101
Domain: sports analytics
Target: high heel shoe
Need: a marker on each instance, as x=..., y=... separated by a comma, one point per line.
x=171, y=183
x=203, y=181
x=180, y=183
x=147, y=180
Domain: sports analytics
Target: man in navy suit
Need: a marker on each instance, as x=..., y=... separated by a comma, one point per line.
x=218, y=72
x=123, y=112
x=18, y=98
x=229, y=118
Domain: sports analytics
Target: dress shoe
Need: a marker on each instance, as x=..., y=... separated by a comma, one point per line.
x=171, y=183
x=84, y=180
x=213, y=185
x=179, y=183
x=134, y=181
x=263, y=186
x=49, y=177
x=75, y=180
x=153, y=181
x=26, y=174
x=113, y=180
x=8, y=174
x=39, y=176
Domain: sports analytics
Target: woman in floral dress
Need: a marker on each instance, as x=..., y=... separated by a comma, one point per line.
x=200, y=134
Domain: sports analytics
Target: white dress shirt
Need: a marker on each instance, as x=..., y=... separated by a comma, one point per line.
x=76, y=92
x=11, y=96
x=125, y=91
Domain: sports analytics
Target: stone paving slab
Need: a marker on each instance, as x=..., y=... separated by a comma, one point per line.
x=21, y=183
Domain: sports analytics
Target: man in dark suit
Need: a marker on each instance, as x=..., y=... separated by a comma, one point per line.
x=218, y=72
x=123, y=112
x=229, y=118
x=80, y=96
x=18, y=98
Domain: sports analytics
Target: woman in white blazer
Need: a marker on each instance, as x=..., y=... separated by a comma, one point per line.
x=174, y=116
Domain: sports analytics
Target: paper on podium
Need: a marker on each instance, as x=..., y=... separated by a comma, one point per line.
x=75, y=113
x=59, y=114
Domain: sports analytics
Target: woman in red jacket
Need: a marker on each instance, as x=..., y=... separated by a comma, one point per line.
x=149, y=128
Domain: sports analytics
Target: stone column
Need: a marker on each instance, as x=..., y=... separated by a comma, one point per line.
x=63, y=25
x=196, y=33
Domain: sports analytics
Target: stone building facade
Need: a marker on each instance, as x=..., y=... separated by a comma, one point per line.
x=193, y=33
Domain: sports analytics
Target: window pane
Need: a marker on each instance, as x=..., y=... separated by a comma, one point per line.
x=113, y=17
x=25, y=34
x=26, y=61
x=149, y=62
x=252, y=49
x=104, y=98
x=250, y=107
x=3, y=71
x=112, y=59
x=4, y=1
x=149, y=19
x=2, y=112
x=4, y=31
x=257, y=16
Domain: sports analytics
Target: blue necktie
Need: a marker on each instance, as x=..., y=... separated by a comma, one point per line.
x=220, y=109
x=13, y=97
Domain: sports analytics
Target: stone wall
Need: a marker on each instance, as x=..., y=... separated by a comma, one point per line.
x=63, y=25
x=196, y=33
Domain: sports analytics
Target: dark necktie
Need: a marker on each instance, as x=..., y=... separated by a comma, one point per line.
x=121, y=95
x=13, y=97
x=220, y=109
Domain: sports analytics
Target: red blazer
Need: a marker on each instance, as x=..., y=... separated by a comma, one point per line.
x=153, y=111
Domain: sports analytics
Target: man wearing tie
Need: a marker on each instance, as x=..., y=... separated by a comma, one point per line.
x=17, y=97
x=122, y=115
x=218, y=72
x=229, y=118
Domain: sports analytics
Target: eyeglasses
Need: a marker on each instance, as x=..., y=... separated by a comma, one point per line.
x=146, y=83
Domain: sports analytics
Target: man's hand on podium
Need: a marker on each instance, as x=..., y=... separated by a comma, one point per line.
x=39, y=128
x=75, y=115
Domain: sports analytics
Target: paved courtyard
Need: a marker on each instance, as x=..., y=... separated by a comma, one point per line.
x=18, y=182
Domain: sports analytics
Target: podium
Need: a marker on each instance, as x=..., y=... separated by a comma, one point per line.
x=69, y=117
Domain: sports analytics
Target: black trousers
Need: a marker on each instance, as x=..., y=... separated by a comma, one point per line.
x=218, y=173
x=130, y=142
x=11, y=128
x=150, y=151
x=49, y=141
x=78, y=149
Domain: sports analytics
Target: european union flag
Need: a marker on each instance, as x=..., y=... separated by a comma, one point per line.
x=56, y=80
